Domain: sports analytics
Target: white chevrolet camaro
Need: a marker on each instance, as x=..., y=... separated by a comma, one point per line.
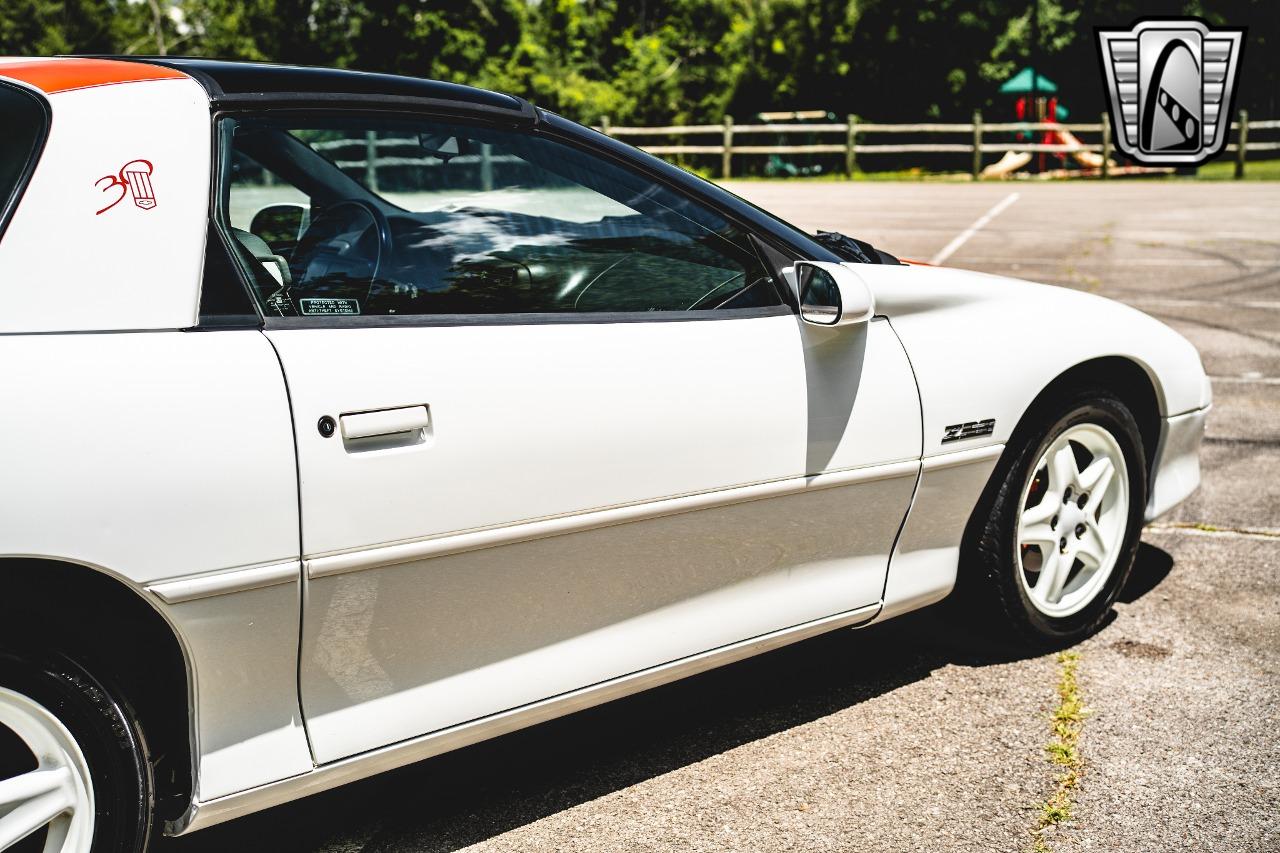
x=347, y=419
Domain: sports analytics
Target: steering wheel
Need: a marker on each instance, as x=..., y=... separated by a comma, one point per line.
x=326, y=235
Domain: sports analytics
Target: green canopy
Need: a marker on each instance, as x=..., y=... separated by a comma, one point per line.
x=1020, y=83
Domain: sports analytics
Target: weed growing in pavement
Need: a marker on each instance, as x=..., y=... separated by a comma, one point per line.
x=1202, y=527
x=1067, y=721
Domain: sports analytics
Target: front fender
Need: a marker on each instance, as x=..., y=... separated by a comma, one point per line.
x=983, y=347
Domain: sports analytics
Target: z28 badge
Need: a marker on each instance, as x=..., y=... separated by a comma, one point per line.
x=972, y=429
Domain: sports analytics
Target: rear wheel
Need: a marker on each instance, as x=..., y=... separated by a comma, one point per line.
x=1051, y=546
x=74, y=774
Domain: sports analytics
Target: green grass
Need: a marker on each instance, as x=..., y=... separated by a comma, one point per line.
x=1224, y=169
x=839, y=177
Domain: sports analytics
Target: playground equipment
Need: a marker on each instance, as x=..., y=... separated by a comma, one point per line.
x=776, y=166
x=1012, y=161
x=1086, y=158
x=1036, y=102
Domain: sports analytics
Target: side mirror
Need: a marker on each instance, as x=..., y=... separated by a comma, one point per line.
x=280, y=224
x=832, y=295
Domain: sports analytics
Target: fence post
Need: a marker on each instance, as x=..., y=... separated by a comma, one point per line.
x=370, y=158
x=1106, y=145
x=486, y=167
x=977, y=145
x=726, y=159
x=850, y=156
x=1242, y=143
x=606, y=127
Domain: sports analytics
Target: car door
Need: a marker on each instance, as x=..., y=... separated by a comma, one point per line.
x=555, y=425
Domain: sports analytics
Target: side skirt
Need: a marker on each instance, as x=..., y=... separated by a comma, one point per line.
x=205, y=814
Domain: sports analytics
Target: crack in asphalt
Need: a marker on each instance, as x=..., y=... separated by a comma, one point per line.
x=1242, y=442
x=1210, y=254
x=1198, y=528
x=1062, y=752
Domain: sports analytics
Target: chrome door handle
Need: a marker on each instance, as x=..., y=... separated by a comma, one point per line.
x=406, y=421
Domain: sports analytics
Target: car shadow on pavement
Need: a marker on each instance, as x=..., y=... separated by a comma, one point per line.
x=1150, y=568
x=472, y=794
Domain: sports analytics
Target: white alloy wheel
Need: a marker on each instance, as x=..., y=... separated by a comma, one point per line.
x=57, y=794
x=1075, y=508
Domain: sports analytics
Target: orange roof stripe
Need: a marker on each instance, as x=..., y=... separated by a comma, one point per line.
x=63, y=75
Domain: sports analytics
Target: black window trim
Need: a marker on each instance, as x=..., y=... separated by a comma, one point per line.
x=10, y=205
x=531, y=318
x=227, y=288
x=274, y=105
x=206, y=320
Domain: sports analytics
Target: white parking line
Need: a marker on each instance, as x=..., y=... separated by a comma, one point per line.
x=1245, y=380
x=963, y=237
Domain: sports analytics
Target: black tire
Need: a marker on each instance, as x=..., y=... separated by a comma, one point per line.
x=108, y=734
x=991, y=594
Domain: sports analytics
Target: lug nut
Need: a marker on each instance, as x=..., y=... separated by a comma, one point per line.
x=1053, y=523
x=1067, y=495
x=1079, y=530
x=1062, y=544
x=1084, y=499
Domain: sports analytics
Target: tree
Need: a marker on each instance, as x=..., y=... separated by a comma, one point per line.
x=663, y=61
x=46, y=27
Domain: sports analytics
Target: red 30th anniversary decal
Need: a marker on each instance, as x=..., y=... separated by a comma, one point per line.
x=134, y=178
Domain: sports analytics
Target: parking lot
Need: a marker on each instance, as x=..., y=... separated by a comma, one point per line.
x=898, y=737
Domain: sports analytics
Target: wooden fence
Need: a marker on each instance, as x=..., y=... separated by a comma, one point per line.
x=851, y=132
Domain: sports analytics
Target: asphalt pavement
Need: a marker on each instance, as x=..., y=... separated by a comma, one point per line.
x=898, y=737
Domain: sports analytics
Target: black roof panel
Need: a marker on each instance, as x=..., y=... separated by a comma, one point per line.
x=268, y=84
x=264, y=78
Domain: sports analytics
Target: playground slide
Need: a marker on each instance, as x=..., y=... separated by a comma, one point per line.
x=1088, y=159
x=1011, y=162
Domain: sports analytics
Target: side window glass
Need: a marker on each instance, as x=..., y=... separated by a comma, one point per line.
x=376, y=216
x=25, y=125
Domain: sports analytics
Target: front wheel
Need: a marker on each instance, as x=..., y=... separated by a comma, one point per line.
x=1052, y=543
x=74, y=773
